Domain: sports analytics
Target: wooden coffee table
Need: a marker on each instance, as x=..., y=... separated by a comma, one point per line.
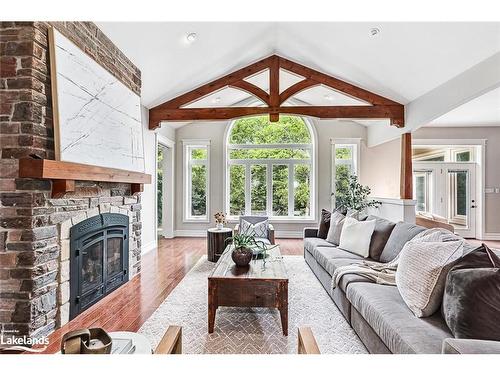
x=252, y=286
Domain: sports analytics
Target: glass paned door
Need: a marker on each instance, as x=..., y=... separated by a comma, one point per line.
x=447, y=190
x=460, y=205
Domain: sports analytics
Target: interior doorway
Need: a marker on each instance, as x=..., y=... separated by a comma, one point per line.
x=445, y=186
x=164, y=186
x=447, y=190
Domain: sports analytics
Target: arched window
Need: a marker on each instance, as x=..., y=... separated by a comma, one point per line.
x=270, y=168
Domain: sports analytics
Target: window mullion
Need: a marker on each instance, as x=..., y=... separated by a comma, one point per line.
x=269, y=181
x=291, y=189
x=248, y=185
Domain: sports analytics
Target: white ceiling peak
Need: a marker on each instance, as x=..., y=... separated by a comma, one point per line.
x=403, y=62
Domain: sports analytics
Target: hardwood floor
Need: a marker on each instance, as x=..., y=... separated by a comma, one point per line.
x=130, y=306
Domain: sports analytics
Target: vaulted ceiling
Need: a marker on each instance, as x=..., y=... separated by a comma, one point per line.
x=402, y=62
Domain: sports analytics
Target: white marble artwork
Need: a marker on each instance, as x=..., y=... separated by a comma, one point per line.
x=99, y=118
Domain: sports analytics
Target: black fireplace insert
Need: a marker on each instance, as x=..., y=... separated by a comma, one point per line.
x=98, y=259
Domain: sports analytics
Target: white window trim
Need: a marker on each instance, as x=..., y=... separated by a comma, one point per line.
x=188, y=144
x=312, y=218
x=355, y=162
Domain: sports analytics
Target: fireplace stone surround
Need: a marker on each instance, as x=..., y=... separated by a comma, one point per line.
x=34, y=227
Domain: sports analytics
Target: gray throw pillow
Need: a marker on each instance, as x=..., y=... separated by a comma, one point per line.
x=381, y=233
x=400, y=235
x=471, y=301
x=336, y=223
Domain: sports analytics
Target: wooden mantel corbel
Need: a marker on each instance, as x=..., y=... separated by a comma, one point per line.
x=64, y=174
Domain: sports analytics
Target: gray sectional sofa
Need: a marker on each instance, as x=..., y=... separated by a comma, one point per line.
x=377, y=312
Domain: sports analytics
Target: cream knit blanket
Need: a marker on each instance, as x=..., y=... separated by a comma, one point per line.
x=385, y=273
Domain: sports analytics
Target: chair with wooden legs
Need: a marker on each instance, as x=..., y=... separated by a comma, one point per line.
x=171, y=343
x=306, y=343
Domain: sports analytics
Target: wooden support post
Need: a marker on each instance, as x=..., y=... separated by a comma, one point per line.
x=61, y=187
x=406, y=181
x=274, y=88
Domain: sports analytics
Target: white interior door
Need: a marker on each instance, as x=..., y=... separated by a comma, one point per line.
x=447, y=190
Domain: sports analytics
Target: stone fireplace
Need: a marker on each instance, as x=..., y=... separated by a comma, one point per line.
x=35, y=227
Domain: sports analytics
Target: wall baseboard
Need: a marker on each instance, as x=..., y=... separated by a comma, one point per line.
x=190, y=233
x=148, y=247
x=203, y=233
x=491, y=237
x=289, y=234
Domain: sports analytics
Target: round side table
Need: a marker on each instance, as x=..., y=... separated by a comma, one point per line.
x=216, y=242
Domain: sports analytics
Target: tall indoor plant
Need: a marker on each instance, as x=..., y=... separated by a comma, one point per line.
x=351, y=195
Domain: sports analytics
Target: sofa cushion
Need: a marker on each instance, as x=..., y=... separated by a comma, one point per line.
x=311, y=243
x=381, y=233
x=400, y=235
x=345, y=280
x=401, y=331
x=323, y=255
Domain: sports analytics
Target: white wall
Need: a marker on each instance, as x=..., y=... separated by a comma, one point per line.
x=381, y=168
x=148, y=215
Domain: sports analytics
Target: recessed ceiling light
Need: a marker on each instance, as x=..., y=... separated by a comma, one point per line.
x=374, y=31
x=191, y=37
x=217, y=99
x=329, y=97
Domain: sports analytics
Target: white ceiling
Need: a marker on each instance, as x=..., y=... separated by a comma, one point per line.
x=402, y=62
x=482, y=111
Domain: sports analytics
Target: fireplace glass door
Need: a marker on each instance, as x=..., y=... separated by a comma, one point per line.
x=99, y=261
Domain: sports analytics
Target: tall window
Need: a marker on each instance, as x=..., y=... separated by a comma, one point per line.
x=345, y=161
x=270, y=168
x=196, y=179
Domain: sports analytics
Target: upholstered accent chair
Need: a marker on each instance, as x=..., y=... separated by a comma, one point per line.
x=255, y=220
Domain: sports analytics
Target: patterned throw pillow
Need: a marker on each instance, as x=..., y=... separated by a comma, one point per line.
x=258, y=230
x=422, y=270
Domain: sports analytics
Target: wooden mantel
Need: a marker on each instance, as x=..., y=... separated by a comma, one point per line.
x=64, y=174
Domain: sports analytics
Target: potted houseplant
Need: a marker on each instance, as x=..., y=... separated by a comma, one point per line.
x=350, y=195
x=220, y=220
x=244, y=247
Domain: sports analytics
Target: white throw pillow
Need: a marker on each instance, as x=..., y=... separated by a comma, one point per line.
x=422, y=270
x=356, y=236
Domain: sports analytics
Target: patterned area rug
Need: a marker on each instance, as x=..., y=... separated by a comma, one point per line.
x=253, y=330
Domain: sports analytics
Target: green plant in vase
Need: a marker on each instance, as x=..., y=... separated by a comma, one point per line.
x=351, y=195
x=245, y=246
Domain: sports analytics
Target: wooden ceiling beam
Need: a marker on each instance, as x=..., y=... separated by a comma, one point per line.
x=296, y=88
x=174, y=109
x=216, y=85
x=251, y=89
x=324, y=112
x=335, y=83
